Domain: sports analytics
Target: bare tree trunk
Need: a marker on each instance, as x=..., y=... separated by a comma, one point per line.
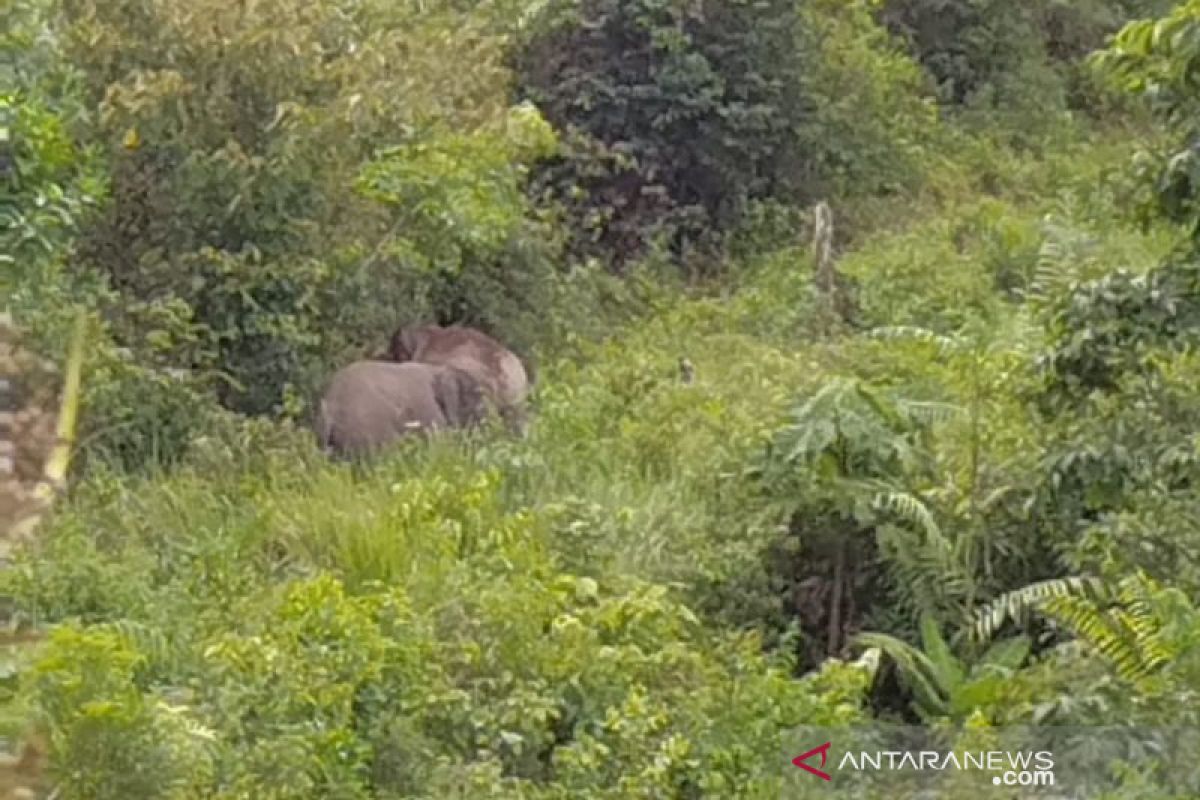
x=825, y=274
x=833, y=303
x=835, y=600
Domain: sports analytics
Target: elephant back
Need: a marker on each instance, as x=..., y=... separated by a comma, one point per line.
x=497, y=369
x=371, y=404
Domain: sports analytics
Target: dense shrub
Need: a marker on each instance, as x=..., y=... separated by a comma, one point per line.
x=720, y=503
x=449, y=647
x=1007, y=55
x=965, y=45
x=54, y=183
x=234, y=224
x=676, y=116
x=1152, y=61
x=245, y=205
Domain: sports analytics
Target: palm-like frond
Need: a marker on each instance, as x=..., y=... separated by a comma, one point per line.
x=1019, y=603
x=930, y=412
x=928, y=571
x=1139, y=616
x=916, y=670
x=1128, y=634
x=1058, y=258
x=945, y=344
x=1120, y=624
x=910, y=509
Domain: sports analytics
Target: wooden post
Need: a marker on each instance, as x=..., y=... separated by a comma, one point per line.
x=824, y=275
x=54, y=473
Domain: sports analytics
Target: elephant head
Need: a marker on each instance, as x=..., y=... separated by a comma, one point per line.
x=498, y=370
x=371, y=404
x=459, y=396
x=407, y=341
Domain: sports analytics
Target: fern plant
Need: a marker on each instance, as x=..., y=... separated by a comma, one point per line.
x=1063, y=258
x=981, y=363
x=926, y=565
x=1019, y=605
x=1120, y=622
x=851, y=466
x=1128, y=634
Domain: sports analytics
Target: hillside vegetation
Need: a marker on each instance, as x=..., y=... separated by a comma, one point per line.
x=949, y=478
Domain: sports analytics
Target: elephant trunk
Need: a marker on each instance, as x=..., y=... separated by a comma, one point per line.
x=324, y=428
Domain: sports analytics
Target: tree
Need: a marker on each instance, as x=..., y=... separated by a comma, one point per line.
x=1154, y=60
x=677, y=115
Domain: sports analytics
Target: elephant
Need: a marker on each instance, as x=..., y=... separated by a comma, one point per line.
x=502, y=374
x=369, y=405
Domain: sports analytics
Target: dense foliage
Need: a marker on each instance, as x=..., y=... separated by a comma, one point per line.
x=963, y=495
x=1007, y=55
x=677, y=116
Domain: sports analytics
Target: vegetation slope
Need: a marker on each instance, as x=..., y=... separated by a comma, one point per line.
x=957, y=490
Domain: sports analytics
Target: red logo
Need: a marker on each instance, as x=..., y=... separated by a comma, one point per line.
x=800, y=759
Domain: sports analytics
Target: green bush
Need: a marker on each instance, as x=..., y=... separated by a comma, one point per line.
x=718, y=491
x=246, y=206
x=486, y=664
x=228, y=256
x=1150, y=60
x=132, y=407
x=113, y=739
x=1005, y=54
x=676, y=117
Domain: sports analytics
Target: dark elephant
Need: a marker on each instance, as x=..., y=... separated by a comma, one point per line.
x=501, y=373
x=371, y=404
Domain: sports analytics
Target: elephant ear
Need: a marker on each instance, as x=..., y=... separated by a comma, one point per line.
x=459, y=396
x=404, y=344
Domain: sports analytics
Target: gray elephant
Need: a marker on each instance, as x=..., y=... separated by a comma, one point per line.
x=501, y=373
x=371, y=404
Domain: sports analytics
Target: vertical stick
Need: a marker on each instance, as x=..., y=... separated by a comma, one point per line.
x=54, y=474
x=835, y=602
x=824, y=274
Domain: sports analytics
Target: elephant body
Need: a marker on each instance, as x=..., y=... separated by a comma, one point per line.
x=497, y=369
x=371, y=404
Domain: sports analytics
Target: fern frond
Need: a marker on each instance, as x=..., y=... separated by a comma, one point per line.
x=1017, y=604
x=1104, y=633
x=883, y=409
x=927, y=576
x=945, y=344
x=1122, y=626
x=1141, y=619
x=930, y=412
x=1063, y=249
x=910, y=509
